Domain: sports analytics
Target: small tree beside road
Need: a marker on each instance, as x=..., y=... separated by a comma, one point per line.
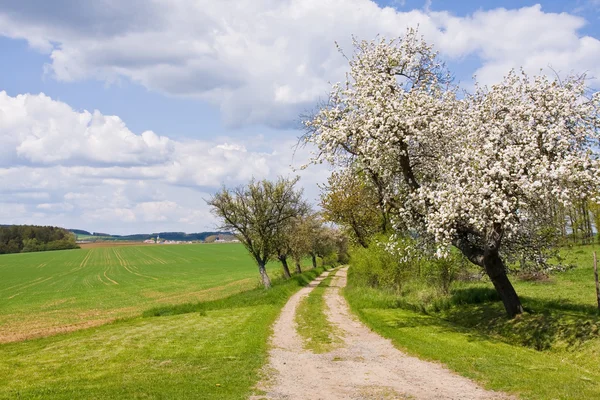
x=257, y=214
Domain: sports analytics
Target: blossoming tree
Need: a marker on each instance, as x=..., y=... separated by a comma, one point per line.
x=465, y=170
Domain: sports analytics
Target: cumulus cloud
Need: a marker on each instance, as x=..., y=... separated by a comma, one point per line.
x=43, y=131
x=527, y=37
x=68, y=167
x=264, y=61
x=39, y=131
x=260, y=61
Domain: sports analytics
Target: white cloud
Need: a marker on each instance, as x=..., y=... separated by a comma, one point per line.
x=55, y=206
x=9, y=210
x=43, y=131
x=264, y=61
x=527, y=37
x=39, y=131
x=91, y=171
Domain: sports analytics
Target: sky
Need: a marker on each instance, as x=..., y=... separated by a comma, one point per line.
x=125, y=116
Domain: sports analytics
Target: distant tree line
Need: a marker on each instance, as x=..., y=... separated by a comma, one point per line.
x=182, y=236
x=28, y=238
x=138, y=237
x=80, y=232
x=221, y=236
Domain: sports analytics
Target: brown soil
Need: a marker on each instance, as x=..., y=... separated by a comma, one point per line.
x=366, y=366
x=48, y=323
x=8, y=337
x=113, y=244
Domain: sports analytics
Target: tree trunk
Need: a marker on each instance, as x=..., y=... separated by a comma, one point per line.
x=284, y=264
x=263, y=275
x=588, y=219
x=314, y=260
x=495, y=269
x=298, y=268
x=570, y=218
x=489, y=259
x=359, y=236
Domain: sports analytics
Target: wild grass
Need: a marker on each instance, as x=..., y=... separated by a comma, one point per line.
x=200, y=350
x=317, y=332
x=551, y=351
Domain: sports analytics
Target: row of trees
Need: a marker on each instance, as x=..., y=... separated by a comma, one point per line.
x=499, y=174
x=28, y=238
x=486, y=172
x=274, y=222
x=578, y=222
x=353, y=202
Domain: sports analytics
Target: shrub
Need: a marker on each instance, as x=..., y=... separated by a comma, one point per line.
x=442, y=272
x=377, y=266
x=331, y=259
x=407, y=270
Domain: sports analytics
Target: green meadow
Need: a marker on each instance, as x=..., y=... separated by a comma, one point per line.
x=552, y=351
x=49, y=292
x=192, y=322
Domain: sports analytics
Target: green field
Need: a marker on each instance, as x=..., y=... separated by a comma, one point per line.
x=193, y=323
x=49, y=292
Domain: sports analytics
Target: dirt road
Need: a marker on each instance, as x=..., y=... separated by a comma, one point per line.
x=366, y=366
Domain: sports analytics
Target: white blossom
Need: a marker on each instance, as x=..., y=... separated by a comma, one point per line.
x=476, y=162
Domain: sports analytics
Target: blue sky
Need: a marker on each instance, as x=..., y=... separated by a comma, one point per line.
x=150, y=106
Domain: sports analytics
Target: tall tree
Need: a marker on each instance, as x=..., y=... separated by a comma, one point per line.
x=257, y=213
x=304, y=238
x=350, y=200
x=300, y=240
x=464, y=171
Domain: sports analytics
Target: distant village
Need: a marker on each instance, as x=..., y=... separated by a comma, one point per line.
x=87, y=238
x=210, y=239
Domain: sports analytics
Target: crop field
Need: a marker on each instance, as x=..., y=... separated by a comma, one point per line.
x=114, y=243
x=51, y=292
x=192, y=322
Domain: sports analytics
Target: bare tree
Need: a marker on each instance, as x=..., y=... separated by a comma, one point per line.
x=257, y=213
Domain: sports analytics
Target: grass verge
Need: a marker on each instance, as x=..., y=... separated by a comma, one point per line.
x=550, y=352
x=206, y=350
x=318, y=334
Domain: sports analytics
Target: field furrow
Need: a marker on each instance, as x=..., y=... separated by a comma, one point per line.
x=50, y=292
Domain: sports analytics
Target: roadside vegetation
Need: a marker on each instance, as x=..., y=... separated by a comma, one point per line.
x=467, y=213
x=274, y=222
x=550, y=351
x=490, y=174
x=204, y=350
x=317, y=332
